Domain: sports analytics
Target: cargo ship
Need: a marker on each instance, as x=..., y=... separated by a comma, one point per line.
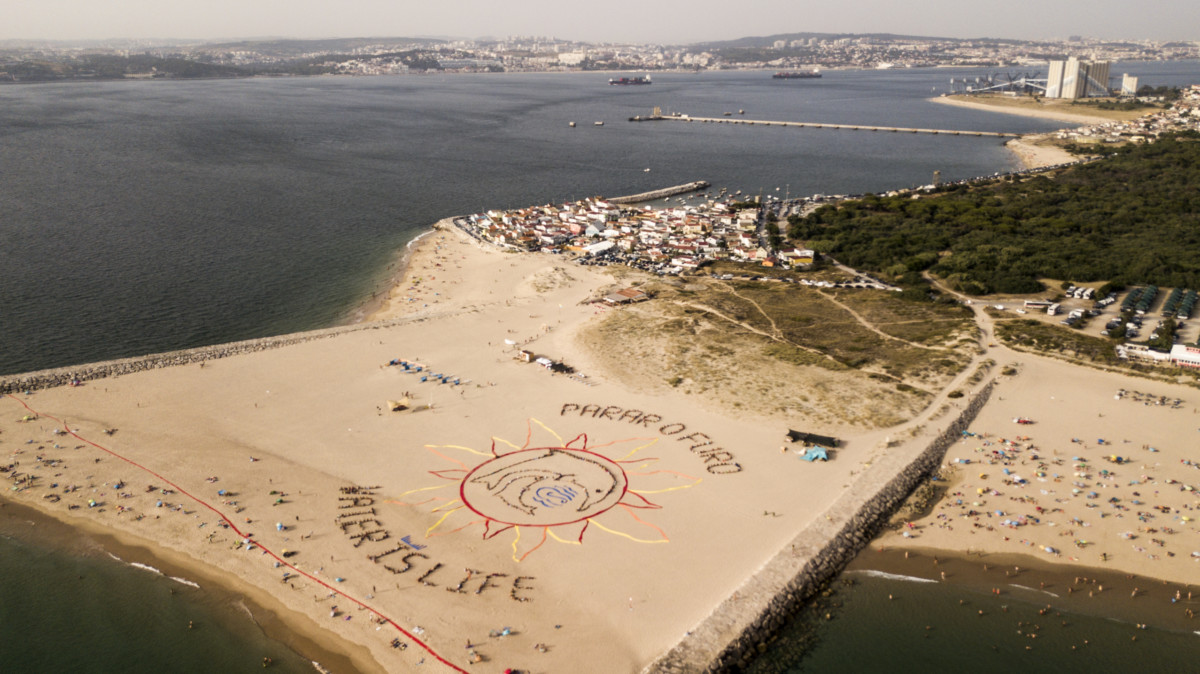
x=799, y=75
x=623, y=81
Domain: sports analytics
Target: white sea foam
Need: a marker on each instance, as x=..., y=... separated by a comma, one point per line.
x=184, y=581
x=416, y=239
x=146, y=567
x=1031, y=589
x=894, y=576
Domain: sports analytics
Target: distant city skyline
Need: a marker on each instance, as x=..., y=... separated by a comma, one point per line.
x=621, y=21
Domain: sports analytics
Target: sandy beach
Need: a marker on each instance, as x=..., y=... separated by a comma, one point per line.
x=507, y=516
x=1030, y=148
x=444, y=534
x=1052, y=113
x=1103, y=475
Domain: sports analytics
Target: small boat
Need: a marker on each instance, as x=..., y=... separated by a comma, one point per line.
x=599, y=123
x=571, y=124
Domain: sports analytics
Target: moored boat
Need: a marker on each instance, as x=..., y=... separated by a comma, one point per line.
x=797, y=75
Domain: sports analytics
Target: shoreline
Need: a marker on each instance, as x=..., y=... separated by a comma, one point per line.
x=1055, y=115
x=1026, y=148
x=366, y=311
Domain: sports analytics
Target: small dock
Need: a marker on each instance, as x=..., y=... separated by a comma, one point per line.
x=813, y=125
x=660, y=194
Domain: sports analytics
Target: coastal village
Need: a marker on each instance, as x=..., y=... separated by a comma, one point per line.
x=664, y=240
x=1183, y=115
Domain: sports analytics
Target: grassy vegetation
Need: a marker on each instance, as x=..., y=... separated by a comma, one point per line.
x=1037, y=335
x=818, y=322
x=789, y=349
x=1131, y=218
x=920, y=322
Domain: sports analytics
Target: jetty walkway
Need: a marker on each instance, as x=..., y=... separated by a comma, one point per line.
x=660, y=194
x=813, y=125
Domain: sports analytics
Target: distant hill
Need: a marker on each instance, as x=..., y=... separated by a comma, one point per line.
x=759, y=42
x=289, y=48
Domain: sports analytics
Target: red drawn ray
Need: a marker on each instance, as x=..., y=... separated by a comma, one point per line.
x=487, y=529
x=650, y=505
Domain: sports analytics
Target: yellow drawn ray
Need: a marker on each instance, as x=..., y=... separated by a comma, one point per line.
x=447, y=505
x=663, y=491
x=431, y=529
x=562, y=540
x=502, y=440
x=439, y=486
x=547, y=429
x=637, y=449
x=625, y=535
x=465, y=449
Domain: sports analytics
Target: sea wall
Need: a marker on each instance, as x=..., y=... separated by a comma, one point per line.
x=739, y=628
x=63, y=376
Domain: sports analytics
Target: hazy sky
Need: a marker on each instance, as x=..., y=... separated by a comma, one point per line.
x=662, y=21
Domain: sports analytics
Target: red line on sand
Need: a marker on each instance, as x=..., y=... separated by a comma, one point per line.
x=267, y=551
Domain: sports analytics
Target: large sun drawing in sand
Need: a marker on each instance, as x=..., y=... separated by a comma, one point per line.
x=550, y=489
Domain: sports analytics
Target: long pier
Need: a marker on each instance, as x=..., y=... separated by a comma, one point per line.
x=660, y=194
x=814, y=125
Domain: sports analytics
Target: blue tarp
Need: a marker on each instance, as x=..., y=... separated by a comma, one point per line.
x=814, y=453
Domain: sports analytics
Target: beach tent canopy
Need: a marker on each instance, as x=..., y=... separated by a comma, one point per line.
x=398, y=405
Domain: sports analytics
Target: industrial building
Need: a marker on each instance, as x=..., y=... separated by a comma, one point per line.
x=1073, y=79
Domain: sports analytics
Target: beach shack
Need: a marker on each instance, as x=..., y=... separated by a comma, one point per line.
x=812, y=439
x=626, y=296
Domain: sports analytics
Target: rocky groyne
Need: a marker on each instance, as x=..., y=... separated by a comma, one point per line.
x=64, y=376
x=740, y=627
x=660, y=194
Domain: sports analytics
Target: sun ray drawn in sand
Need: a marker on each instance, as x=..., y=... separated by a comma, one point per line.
x=548, y=489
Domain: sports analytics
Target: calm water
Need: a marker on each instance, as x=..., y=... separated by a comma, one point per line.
x=935, y=627
x=67, y=606
x=143, y=217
